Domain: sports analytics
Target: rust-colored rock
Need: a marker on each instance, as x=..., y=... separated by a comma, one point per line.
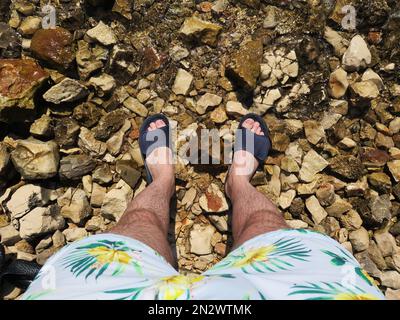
x=19, y=80
x=53, y=46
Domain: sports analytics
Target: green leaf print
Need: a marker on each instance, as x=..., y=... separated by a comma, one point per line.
x=98, y=257
x=280, y=255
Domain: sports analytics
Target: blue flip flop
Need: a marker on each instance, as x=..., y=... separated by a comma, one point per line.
x=151, y=140
x=261, y=144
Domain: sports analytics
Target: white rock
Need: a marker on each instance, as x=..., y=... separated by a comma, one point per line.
x=220, y=222
x=182, y=83
x=394, y=168
x=40, y=221
x=374, y=77
x=74, y=234
x=102, y=34
x=339, y=43
x=35, y=159
x=74, y=205
x=314, y=131
x=286, y=198
x=312, y=164
x=297, y=224
x=357, y=55
x=317, y=211
x=136, y=106
x=235, y=108
x=391, y=279
x=207, y=100
x=271, y=96
x=366, y=89
x=359, y=239
x=386, y=243
x=338, y=83
x=103, y=83
x=27, y=197
x=394, y=125
x=200, y=239
x=88, y=142
x=68, y=90
x=178, y=53
x=116, y=201
x=9, y=235
x=189, y=197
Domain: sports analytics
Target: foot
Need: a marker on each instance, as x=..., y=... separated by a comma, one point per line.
x=160, y=160
x=244, y=164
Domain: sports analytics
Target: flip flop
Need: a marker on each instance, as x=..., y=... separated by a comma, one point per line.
x=151, y=140
x=262, y=143
x=19, y=272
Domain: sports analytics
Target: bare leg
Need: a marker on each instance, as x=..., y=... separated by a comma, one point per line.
x=253, y=213
x=147, y=216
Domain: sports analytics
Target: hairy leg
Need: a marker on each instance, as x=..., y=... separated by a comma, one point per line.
x=147, y=217
x=253, y=213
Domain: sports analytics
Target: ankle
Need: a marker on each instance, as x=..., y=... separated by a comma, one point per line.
x=235, y=182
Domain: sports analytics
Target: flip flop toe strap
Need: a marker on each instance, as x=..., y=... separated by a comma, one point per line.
x=151, y=140
x=257, y=145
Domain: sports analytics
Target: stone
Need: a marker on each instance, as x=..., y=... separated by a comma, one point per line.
x=203, y=31
x=317, y=212
x=189, y=197
x=19, y=80
x=297, y=224
x=53, y=46
x=102, y=174
x=235, y=108
x=218, y=115
x=200, y=239
x=213, y=200
x=75, y=234
x=9, y=235
x=124, y=8
x=357, y=55
x=30, y=25
x=392, y=294
x=74, y=205
x=127, y=171
x=326, y=194
x=366, y=89
x=279, y=141
x=386, y=243
x=104, y=84
x=359, y=239
x=220, y=222
x=178, y=53
x=338, y=207
x=136, y=106
x=66, y=132
x=90, y=144
x=347, y=167
x=89, y=59
x=42, y=127
x=379, y=211
x=339, y=43
x=182, y=83
x=28, y=197
x=58, y=239
x=244, y=66
x=347, y=144
x=109, y=124
x=207, y=100
x=40, y=221
x=390, y=279
x=87, y=114
x=376, y=255
x=338, y=83
x=116, y=201
x=372, y=76
x=103, y=34
x=97, y=195
x=380, y=181
x=290, y=165
x=152, y=60
x=314, y=131
x=68, y=90
x=312, y=164
x=367, y=264
x=75, y=166
x=4, y=159
x=35, y=159
x=220, y=248
x=286, y=198
x=394, y=168
x=351, y=220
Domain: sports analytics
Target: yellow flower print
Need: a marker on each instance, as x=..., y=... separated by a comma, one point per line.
x=175, y=287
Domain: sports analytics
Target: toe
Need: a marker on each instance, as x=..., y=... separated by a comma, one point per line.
x=258, y=131
x=160, y=123
x=255, y=127
x=152, y=126
x=248, y=123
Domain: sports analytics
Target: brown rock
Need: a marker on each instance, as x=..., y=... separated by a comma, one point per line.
x=19, y=79
x=244, y=68
x=53, y=46
x=347, y=166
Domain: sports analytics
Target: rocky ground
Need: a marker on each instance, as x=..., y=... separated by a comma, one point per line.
x=72, y=99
